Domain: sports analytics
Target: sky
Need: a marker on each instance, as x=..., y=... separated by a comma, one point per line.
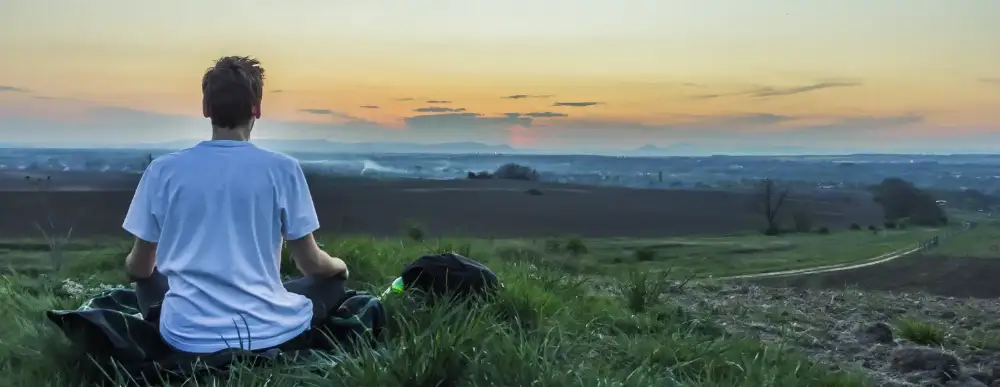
x=886, y=75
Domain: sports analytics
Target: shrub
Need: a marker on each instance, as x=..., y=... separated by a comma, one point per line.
x=534, y=192
x=553, y=246
x=772, y=231
x=802, y=222
x=871, y=227
x=855, y=227
x=889, y=225
x=515, y=171
x=415, y=231
x=479, y=175
x=921, y=333
x=823, y=230
x=645, y=254
x=575, y=246
x=641, y=290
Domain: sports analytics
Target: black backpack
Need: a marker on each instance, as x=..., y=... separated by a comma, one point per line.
x=449, y=273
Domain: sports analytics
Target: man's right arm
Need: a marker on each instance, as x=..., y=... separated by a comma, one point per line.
x=299, y=221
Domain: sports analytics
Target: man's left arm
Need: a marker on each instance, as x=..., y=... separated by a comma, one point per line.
x=141, y=222
x=141, y=261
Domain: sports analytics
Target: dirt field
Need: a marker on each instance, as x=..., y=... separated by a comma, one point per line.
x=486, y=208
x=941, y=275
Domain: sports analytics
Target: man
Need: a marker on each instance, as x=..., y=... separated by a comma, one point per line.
x=209, y=222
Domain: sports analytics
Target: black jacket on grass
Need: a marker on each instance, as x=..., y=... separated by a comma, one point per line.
x=126, y=347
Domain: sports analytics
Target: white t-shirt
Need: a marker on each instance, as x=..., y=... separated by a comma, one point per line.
x=218, y=212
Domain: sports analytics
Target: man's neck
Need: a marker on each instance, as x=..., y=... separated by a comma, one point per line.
x=235, y=134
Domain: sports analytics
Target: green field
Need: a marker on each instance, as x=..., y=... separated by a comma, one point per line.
x=983, y=241
x=546, y=328
x=730, y=255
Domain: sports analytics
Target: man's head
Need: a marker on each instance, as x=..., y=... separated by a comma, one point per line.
x=231, y=92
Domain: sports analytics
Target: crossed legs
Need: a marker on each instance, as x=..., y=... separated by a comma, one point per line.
x=325, y=294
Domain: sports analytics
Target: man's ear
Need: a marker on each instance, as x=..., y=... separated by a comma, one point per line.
x=256, y=111
x=204, y=110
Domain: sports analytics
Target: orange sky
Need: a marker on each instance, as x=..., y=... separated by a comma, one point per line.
x=660, y=71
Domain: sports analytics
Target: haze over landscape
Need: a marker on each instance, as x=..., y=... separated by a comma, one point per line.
x=700, y=77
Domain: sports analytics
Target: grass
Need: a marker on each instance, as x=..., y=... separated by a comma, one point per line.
x=979, y=242
x=921, y=332
x=546, y=328
x=729, y=255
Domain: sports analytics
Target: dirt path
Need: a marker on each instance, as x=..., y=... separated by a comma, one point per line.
x=887, y=257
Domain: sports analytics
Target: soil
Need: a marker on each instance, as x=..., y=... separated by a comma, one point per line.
x=941, y=275
x=95, y=205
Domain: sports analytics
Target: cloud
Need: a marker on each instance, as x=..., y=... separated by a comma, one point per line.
x=404, y=99
x=277, y=91
x=522, y=96
x=768, y=91
x=575, y=104
x=318, y=111
x=711, y=96
x=436, y=101
x=369, y=107
x=773, y=91
x=991, y=81
x=12, y=89
x=545, y=114
x=744, y=120
x=435, y=109
x=108, y=124
x=463, y=120
x=336, y=114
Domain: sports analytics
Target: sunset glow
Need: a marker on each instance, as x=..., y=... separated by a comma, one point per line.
x=579, y=74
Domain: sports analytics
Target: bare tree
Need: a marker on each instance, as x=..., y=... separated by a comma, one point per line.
x=55, y=236
x=771, y=199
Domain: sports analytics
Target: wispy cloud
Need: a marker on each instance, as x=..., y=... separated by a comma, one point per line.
x=770, y=91
x=779, y=91
x=277, y=91
x=335, y=114
x=575, y=104
x=435, y=109
x=12, y=89
x=545, y=114
x=369, y=107
x=991, y=81
x=404, y=99
x=317, y=111
x=522, y=96
x=463, y=120
x=438, y=101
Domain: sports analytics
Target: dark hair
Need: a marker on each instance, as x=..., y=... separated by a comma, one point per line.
x=230, y=90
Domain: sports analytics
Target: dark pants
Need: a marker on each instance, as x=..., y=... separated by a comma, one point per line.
x=325, y=294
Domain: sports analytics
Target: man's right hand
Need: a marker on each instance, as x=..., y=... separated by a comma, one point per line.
x=313, y=261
